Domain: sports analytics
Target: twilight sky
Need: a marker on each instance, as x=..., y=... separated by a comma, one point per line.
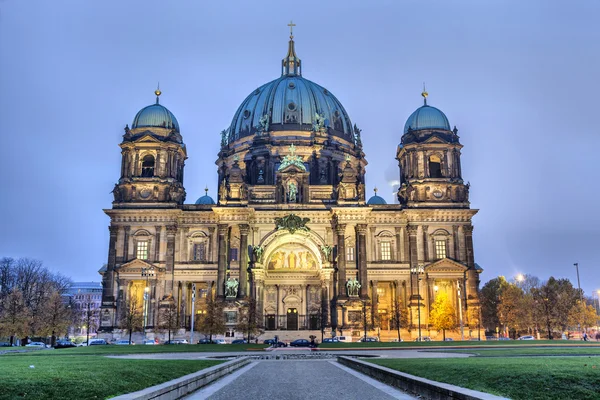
x=518, y=78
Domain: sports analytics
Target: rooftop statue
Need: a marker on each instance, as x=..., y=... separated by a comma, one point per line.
x=292, y=159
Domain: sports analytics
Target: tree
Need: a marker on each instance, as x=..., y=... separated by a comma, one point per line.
x=442, y=315
x=247, y=319
x=490, y=298
x=511, y=308
x=399, y=316
x=583, y=315
x=553, y=302
x=14, y=315
x=56, y=317
x=213, y=321
x=167, y=318
x=132, y=317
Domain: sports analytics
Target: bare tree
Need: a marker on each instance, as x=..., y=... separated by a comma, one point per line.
x=213, y=320
x=56, y=317
x=131, y=315
x=167, y=318
x=247, y=319
x=399, y=316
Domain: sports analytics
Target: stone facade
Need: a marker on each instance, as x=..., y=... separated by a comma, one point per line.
x=291, y=228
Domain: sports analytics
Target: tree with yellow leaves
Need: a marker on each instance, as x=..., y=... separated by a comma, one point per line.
x=442, y=315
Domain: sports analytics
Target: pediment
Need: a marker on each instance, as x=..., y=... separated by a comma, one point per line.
x=446, y=265
x=292, y=168
x=147, y=138
x=435, y=139
x=135, y=267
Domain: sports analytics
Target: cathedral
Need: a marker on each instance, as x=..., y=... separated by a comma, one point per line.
x=291, y=227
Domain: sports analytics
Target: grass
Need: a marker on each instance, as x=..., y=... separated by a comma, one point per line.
x=492, y=343
x=140, y=349
x=570, y=351
x=514, y=377
x=59, y=375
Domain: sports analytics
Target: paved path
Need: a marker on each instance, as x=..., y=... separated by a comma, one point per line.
x=297, y=380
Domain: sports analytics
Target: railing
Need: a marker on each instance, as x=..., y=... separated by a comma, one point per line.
x=292, y=322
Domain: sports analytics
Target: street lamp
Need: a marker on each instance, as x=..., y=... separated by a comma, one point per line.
x=146, y=273
x=580, y=292
x=462, y=328
x=417, y=271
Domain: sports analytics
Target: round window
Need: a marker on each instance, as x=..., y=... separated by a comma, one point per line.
x=291, y=106
x=292, y=85
x=246, y=114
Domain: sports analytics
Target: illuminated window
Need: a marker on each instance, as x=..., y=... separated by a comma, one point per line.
x=380, y=291
x=142, y=250
x=199, y=251
x=386, y=251
x=440, y=249
x=203, y=293
x=148, y=166
x=350, y=253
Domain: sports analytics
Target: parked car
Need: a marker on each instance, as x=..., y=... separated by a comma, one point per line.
x=300, y=343
x=448, y=339
x=423, y=339
x=219, y=341
x=504, y=338
x=124, y=342
x=345, y=339
x=150, y=342
x=36, y=344
x=331, y=340
x=4, y=344
x=239, y=341
x=368, y=339
x=397, y=340
x=275, y=344
x=97, y=342
x=177, y=341
x=204, y=341
x=527, y=337
x=63, y=344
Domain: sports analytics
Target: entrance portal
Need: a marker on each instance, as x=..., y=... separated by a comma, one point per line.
x=292, y=319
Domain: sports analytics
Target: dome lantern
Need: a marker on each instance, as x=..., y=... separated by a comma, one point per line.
x=291, y=64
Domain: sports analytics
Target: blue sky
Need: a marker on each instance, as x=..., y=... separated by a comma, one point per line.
x=518, y=79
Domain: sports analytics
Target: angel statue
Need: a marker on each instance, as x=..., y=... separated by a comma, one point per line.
x=319, y=122
x=231, y=287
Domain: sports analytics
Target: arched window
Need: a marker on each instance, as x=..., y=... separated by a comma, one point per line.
x=148, y=166
x=435, y=167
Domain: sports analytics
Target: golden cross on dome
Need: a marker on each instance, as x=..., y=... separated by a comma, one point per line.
x=291, y=25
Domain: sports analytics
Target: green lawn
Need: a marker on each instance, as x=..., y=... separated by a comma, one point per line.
x=514, y=377
x=141, y=349
x=536, y=351
x=58, y=375
x=491, y=343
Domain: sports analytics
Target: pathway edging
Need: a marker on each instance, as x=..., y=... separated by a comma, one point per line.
x=177, y=388
x=425, y=388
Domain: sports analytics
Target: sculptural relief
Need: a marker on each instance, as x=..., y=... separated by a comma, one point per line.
x=292, y=257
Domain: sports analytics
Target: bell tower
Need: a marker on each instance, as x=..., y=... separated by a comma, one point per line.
x=153, y=157
x=429, y=161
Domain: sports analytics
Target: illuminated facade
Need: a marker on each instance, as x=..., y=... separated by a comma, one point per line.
x=291, y=226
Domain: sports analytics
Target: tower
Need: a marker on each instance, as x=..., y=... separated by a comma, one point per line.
x=153, y=157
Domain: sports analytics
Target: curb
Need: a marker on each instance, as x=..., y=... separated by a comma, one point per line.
x=422, y=387
x=179, y=387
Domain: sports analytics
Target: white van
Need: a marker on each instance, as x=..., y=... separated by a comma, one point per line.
x=346, y=339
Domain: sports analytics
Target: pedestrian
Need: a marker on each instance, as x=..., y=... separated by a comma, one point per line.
x=598, y=336
x=584, y=337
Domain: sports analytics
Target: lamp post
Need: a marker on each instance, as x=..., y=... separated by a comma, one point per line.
x=87, y=330
x=417, y=271
x=193, y=315
x=580, y=293
x=364, y=301
x=462, y=328
x=146, y=273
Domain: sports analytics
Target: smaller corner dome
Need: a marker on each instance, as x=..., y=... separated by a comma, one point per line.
x=427, y=117
x=155, y=116
x=206, y=199
x=376, y=200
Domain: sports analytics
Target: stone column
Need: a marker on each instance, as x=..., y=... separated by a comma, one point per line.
x=157, y=244
x=108, y=279
x=425, y=243
x=462, y=251
x=340, y=230
x=170, y=256
x=374, y=301
x=399, y=245
x=406, y=244
x=361, y=232
x=222, y=263
x=472, y=278
x=243, y=262
x=211, y=245
x=324, y=306
x=126, y=230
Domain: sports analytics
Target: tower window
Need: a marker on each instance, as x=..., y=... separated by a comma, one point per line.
x=349, y=253
x=435, y=167
x=199, y=251
x=148, y=166
x=233, y=254
x=386, y=251
x=440, y=249
x=141, y=250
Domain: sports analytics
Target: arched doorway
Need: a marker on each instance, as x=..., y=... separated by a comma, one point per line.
x=292, y=319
